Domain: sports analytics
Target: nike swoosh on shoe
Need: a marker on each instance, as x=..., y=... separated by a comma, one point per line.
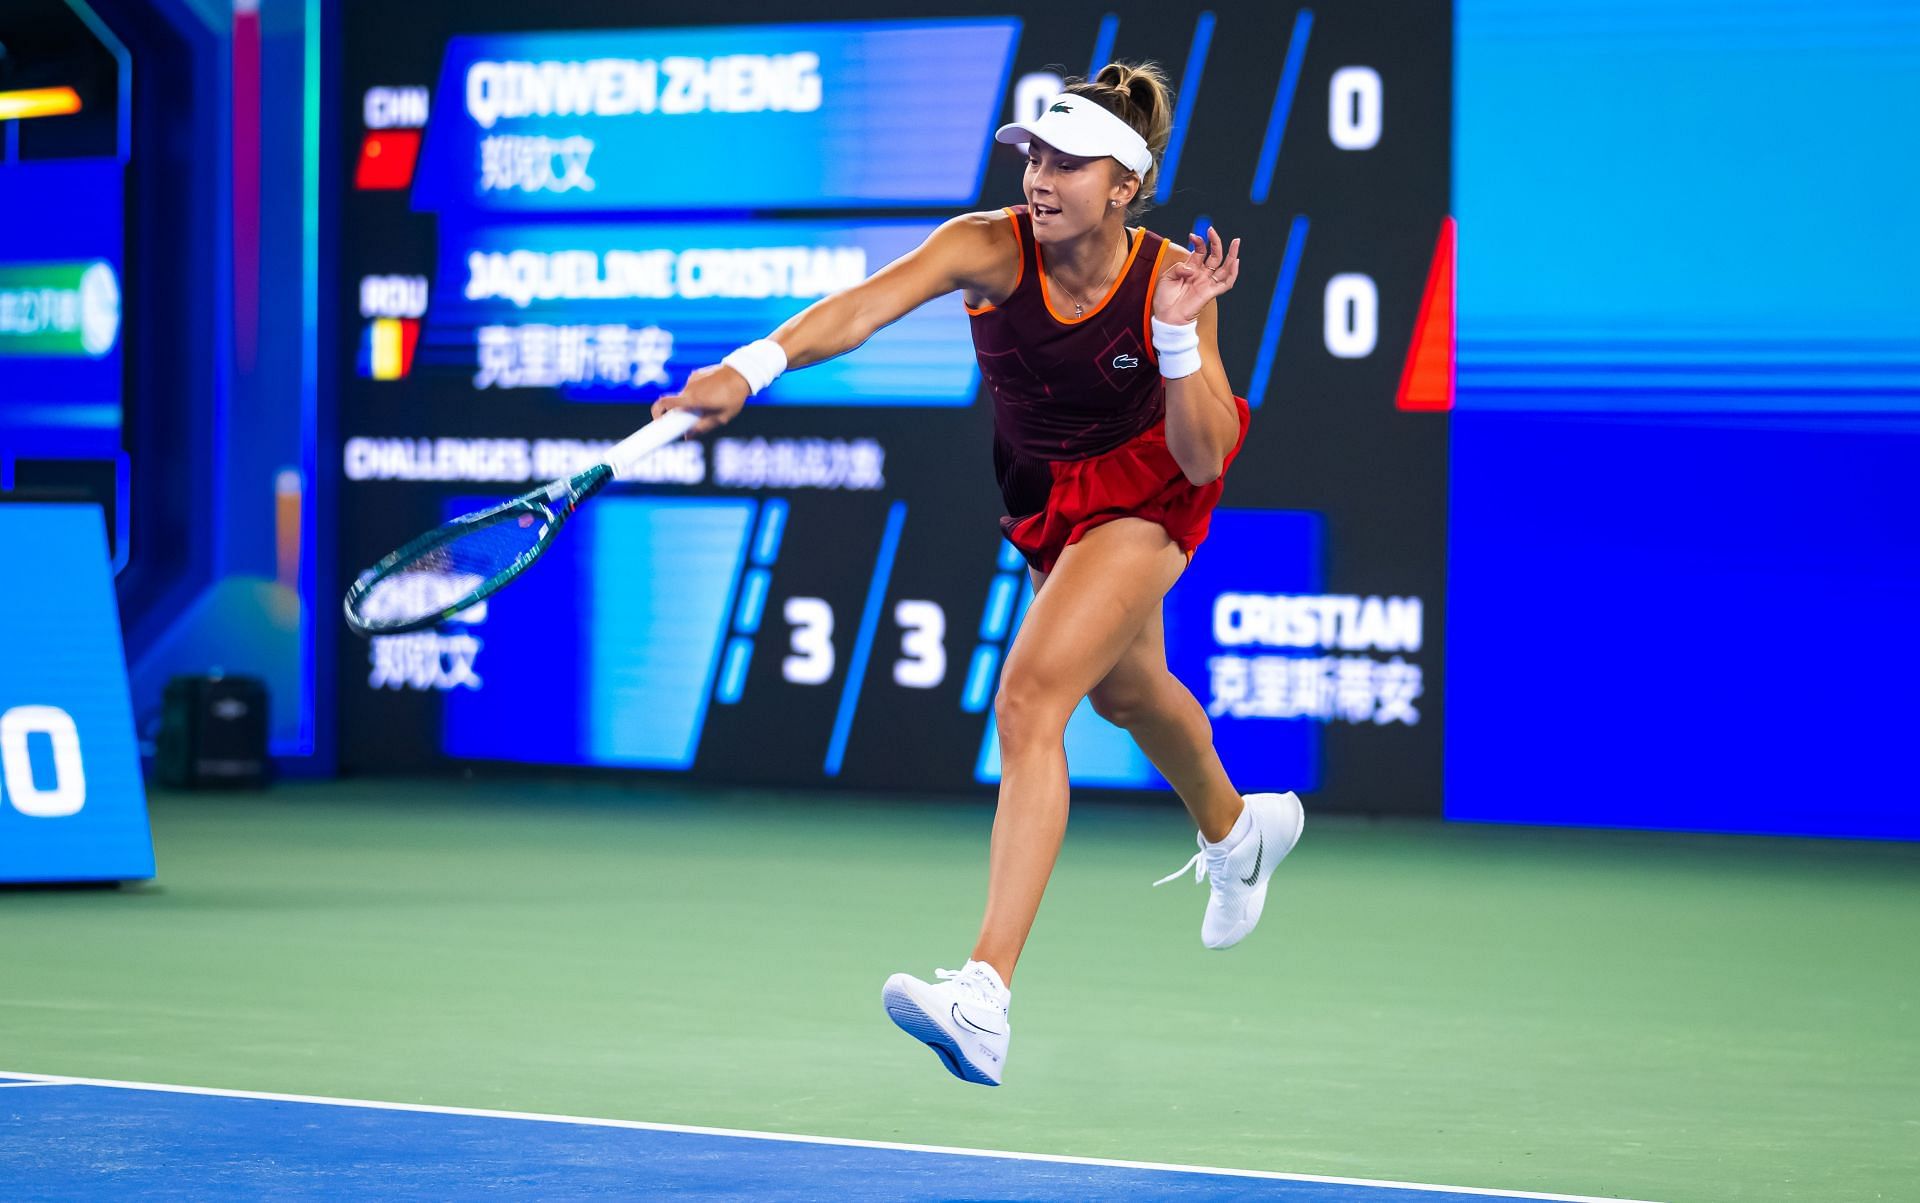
x=1259, y=854
x=960, y=1018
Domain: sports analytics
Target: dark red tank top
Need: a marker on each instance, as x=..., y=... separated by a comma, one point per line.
x=1067, y=388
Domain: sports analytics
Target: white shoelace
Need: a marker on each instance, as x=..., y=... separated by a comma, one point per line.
x=1197, y=864
x=1199, y=869
x=972, y=983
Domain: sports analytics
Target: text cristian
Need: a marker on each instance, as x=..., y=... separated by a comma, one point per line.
x=1342, y=622
x=618, y=87
x=524, y=277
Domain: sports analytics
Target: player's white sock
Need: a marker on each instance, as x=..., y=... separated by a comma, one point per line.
x=1242, y=828
x=962, y=1018
x=1239, y=866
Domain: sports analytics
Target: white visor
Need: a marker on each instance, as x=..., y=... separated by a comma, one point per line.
x=1075, y=125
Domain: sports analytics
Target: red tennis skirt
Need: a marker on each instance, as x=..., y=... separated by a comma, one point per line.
x=1137, y=479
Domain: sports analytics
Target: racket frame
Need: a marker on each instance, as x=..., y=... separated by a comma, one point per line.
x=552, y=503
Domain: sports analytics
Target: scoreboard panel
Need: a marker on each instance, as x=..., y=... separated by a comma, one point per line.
x=555, y=215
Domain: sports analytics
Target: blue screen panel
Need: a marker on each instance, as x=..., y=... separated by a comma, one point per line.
x=1684, y=623
x=767, y=116
x=605, y=652
x=72, y=803
x=62, y=243
x=540, y=305
x=663, y=588
x=1696, y=207
x=1689, y=356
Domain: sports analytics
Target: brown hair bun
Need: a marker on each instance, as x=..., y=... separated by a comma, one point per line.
x=1138, y=94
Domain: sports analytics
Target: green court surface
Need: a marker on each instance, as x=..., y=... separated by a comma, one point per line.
x=1665, y=1017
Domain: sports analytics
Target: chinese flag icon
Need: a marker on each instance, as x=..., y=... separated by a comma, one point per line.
x=386, y=160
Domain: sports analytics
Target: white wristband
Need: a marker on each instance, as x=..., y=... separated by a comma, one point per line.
x=1178, y=348
x=760, y=361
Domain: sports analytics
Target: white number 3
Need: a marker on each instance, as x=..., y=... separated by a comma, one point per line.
x=923, y=649
x=812, y=660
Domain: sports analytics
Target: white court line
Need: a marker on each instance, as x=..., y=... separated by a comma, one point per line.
x=793, y=1137
x=51, y=1082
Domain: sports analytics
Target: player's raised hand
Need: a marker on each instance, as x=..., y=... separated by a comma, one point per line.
x=1187, y=286
x=716, y=393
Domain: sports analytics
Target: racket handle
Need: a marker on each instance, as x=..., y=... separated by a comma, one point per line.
x=648, y=439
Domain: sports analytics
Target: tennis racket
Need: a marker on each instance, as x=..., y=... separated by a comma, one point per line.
x=460, y=564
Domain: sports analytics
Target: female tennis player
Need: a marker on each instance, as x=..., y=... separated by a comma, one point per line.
x=1113, y=424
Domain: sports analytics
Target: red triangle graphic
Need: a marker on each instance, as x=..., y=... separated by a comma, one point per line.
x=1427, y=381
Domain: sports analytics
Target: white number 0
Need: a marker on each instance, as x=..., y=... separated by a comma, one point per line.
x=1352, y=315
x=1354, y=103
x=69, y=792
x=812, y=660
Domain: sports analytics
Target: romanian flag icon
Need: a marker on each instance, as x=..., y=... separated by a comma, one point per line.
x=386, y=353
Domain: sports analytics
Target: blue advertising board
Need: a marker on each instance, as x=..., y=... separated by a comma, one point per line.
x=61, y=247
x=766, y=116
x=1681, y=232
x=1684, y=542
x=72, y=804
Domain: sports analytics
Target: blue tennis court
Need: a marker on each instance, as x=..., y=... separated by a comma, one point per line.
x=77, y=1138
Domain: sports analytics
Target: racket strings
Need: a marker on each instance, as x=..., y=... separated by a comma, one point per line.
x=442, y=575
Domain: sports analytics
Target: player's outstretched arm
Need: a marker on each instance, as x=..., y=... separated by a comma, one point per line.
x=959, y=254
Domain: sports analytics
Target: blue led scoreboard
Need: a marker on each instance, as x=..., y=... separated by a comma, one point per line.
x=552, y=215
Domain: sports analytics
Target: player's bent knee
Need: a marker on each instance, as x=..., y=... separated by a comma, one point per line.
x=1159, y=697
x=1025, y=712
x=1121, y=707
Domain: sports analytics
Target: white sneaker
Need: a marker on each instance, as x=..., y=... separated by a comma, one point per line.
x=963, y=1018
x=1240, y=876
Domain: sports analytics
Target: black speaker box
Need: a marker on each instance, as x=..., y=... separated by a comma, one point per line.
x=213, y=732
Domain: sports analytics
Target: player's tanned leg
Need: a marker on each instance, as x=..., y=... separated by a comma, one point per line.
x=1093, y=606
x=1148, y=702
